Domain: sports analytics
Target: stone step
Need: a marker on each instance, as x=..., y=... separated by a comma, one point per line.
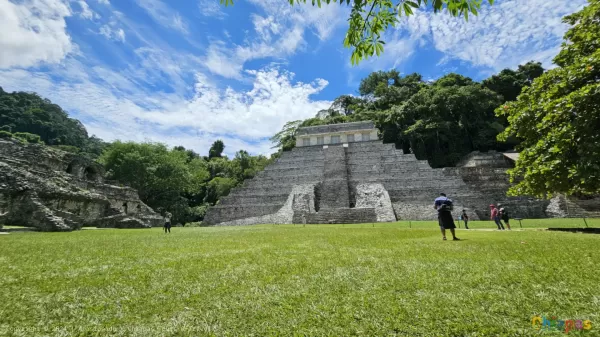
x=290, y=172
x=256, y=199
x=222, y=213
x=279, y=181
x=339, y=216
x=304, y=165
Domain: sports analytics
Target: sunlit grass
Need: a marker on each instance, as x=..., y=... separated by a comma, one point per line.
x=284, y=280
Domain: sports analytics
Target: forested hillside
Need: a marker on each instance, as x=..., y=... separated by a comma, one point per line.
x=25, y=114
x=440, y=121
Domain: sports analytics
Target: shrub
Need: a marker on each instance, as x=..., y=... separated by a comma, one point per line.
x=28, y=137
x=67, y=148
x=194, y=224
x=5, y=134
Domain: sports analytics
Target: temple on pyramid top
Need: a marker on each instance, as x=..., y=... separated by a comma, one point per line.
x=343, y=173
x=336, y=134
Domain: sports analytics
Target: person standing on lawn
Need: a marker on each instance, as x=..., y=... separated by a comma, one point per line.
x=465, y=218
x=443, y=205
x=495, y=215
x=503, y=213
x=167, y=226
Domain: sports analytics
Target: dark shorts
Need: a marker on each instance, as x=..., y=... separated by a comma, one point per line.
x=505, y=218
x=168, y=225
x=446, y=221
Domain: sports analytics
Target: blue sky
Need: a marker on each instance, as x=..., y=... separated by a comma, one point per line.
x=190, y=72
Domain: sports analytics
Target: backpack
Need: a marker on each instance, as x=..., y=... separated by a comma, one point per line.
x=446, y=206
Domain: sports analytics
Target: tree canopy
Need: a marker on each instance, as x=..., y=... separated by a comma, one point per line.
x=178, y=180
x=509, y=83
x=557, y=118
x=370, y=19
x=440, y=121
x=216, y=150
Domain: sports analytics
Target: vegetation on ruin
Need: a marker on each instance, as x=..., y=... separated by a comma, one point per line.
x=557, y=118
x=370, y=19
x=294, y=280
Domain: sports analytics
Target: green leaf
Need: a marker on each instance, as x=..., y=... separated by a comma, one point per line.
x=412, y=3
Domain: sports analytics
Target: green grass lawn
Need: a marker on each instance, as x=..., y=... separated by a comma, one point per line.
x=294, y=280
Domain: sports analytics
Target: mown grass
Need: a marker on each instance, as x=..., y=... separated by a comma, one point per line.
x=294, y=280
x=524, y=224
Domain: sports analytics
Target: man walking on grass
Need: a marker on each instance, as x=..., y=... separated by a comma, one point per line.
x=495, y=215
x=465, y=218
x=443, y=205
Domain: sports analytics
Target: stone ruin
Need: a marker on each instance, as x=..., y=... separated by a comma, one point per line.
x=343, y=173
x=53, y=190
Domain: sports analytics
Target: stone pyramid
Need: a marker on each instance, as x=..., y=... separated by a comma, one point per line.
x=342, y=173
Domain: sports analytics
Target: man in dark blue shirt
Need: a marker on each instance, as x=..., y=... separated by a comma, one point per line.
x=443, y=205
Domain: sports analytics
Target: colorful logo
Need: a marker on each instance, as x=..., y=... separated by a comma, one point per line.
x=541, y=322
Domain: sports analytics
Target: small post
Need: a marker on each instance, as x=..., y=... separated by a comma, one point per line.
x=409, y=224
x=584, y=220
x=519, y=219
x=373, y=225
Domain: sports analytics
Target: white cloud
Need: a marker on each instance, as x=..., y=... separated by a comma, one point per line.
x=104, y=2
x=265, y=27
x=221, y=61
x=120, y=35
x=279, y=34
x=503, y=35
x=86, y=12
x=229, y=62
x=322, y=21
x=113, y=105
x=164, y=15
x=33, y=32
x=212, y=9
x=113, y=34
x=117, y=34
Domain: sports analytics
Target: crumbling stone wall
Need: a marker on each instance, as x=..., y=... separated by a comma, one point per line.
x=375, y=196
x=485, y=159
x=53, y=190
x=298, y=204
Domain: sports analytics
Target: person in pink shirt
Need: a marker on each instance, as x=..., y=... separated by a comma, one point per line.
x=495, y=215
